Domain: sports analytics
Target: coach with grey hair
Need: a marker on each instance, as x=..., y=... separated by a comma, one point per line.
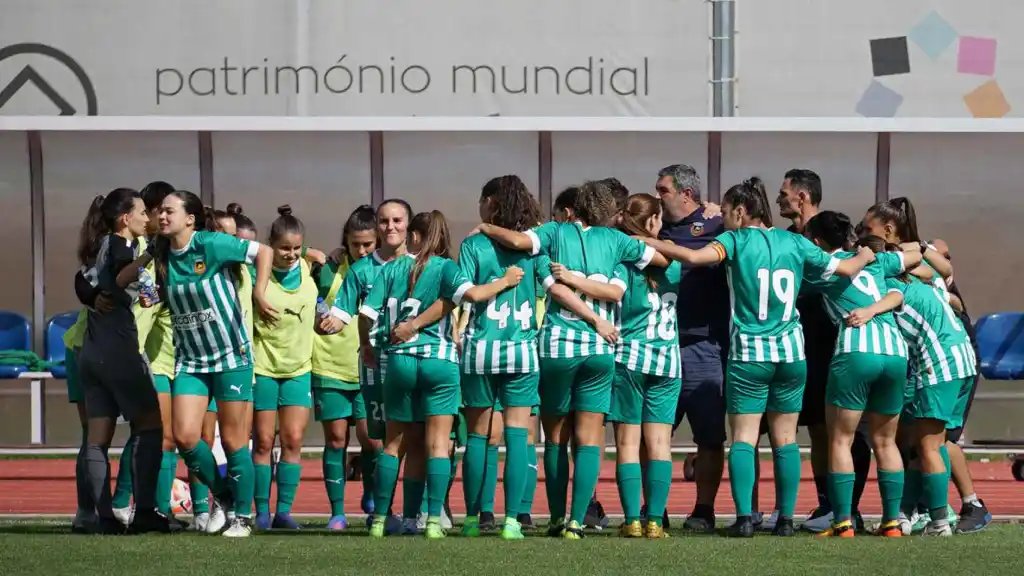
x=703, y=323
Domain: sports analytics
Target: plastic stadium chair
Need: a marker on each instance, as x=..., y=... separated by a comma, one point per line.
x=14, y=335
x=1001, y=344
x=55, y=330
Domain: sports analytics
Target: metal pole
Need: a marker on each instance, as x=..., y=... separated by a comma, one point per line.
x=38, y=386
x=376, y=168
x=206, y=193
x=723, y=73
x=882, y=156
x=544, y=173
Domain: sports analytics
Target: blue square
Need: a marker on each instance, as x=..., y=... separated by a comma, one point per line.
x=879, y=101
x=933, y=35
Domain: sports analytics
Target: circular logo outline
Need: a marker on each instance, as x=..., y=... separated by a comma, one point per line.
x=62, y=57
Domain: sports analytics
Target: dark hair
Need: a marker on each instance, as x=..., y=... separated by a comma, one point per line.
x=750, y=194
x=833, y=229
x=900, y=213
x=153, y=194
x=361, y=219
x=638, y=209
x=213, y=217
x=433, y=229
x=594, y=204
x=285, y=224
x=619, y=192
x=100, y=220
x=806, y=180
x=514, y=207
x=566, y=199
x=242, y=222
x=400, y=202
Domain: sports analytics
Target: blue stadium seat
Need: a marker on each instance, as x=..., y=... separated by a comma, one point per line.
x=1001, y=343
x=14, y=335
x=55, y=330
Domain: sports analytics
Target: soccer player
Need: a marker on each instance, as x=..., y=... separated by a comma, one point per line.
x=766, y=369
x=576, y=361
x=422, y=380
x=114, y=374
x=499, y=352
x=703, y=324
x=647, y=376
x=868, y=373
x=942, y=370
x=337, y=400
x=213, y=351
x=283, y=349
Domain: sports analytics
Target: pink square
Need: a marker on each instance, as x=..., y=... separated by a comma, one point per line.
x=976, y=56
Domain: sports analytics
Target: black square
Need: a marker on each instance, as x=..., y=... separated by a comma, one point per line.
x=889, y=56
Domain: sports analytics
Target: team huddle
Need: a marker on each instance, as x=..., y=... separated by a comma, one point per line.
x=614, y=311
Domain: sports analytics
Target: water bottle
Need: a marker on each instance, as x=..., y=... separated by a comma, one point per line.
x=147, y=286
x=322, y=309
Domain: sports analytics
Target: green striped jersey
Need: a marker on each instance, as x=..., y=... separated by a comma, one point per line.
x=209, y=332
x=357, y=284
x=844, y=295
x=939, y=347
x=501, y=337
x=390, y=302
x=648, y=339
x=592, y=252
x=764, y=269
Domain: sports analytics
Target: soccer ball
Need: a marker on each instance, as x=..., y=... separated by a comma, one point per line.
x=181, y=498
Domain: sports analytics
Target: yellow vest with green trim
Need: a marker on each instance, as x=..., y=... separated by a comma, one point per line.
x=336, y=356
x=285, y=350
x=75, y=335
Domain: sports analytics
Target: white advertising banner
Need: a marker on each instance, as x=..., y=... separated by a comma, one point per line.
x=355, y=58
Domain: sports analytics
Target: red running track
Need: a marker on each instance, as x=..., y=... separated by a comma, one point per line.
x=48, y=487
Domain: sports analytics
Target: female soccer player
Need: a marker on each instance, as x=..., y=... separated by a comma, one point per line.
x=647, y=371
x=284, y=360
x=499, y=352
x=576, y=362
x=115, y=376
x=942, y=369
x=213, y=350
x=422, y=378
x=766, y=370
x=337, y=400
x=868, y=373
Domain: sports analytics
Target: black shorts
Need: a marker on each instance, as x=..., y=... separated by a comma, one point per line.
x=819, y=357
x=116, y=384
x=701, y=398
x=954, y=434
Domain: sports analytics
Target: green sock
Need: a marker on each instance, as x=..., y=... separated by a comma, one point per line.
x=334, y=478
x=264, y=479
x=912, y=488
x=787, y=478
x=658, y=480
x=368, y=464
x=741, y=476
x=530, y=485
x=165, y=481
x=890, y=486
x=840, y=494
x=201, y=462
x=944, y=452
x=473, y=471
x=438, y=473
x=200, y=496
x=588, y=468
x=289, y=474
x=936, y=493
x=412, y=496
x=556, y=478
x=515, y=469
x=385, y=476
x=627, y=476
x=490, y=480
x=123, y=489
x=240, y=470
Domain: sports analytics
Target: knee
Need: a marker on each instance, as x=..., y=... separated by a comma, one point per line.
x=262, y=444
x=185, y=439
x=336, y=441
x=291, y=440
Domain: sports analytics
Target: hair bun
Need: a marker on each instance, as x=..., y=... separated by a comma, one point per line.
x=234, y=208
x=285, y=210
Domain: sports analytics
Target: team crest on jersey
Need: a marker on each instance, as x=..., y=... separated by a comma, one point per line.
x=199, y=266
x=696, y=229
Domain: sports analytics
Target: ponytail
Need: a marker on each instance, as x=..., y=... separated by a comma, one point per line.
x=636, y=211
x=92, y=232
x=900, y=213
x=436, y=240
x=752, y=195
